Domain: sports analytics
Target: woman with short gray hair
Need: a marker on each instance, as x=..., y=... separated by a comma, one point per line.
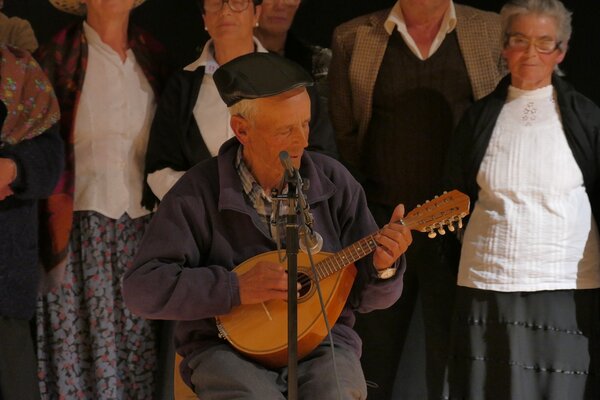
x=527, y=316
x=554, y=9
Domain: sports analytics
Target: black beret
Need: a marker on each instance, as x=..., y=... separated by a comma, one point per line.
x=257, y=75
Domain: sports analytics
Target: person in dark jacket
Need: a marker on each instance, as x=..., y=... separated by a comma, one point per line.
x=31, y=161
x=221, y=213
x=273, y=31
x=527, y=316
x=191, y=121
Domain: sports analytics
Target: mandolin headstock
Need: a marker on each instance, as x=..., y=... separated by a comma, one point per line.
x=441, y=211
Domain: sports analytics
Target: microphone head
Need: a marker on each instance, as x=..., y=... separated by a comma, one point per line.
x=284, y=156
x=310, y=240
x=286, y=161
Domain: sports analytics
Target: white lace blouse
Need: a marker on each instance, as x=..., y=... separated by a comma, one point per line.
x=532, y=227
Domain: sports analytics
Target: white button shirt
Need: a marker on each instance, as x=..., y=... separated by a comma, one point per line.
x=111, y=131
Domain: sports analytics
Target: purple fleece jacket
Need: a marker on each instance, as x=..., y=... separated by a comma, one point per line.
x=204, y=228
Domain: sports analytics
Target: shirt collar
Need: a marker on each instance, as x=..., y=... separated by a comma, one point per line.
x=91, y=35
x=252, y=189
x=272, y=214
x=396, y=19
x=93, y=39
x=230, y=187
x=207, y=57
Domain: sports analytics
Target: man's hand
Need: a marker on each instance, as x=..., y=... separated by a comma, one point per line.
x=265, y=281
x=8, y=173
x=393, y=240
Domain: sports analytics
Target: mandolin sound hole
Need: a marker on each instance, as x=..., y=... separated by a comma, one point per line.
x=305, y=281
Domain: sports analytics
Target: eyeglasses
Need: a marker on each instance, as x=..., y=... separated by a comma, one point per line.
x=522, y=43
x=216, y=5
x=285, y=2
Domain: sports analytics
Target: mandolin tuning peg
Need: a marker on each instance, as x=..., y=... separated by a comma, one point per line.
x=451, y=227
x=431, y=234
x=445, y=192
x=418, y=205
x=441, y=230
x=435, y=197
x=460, y=224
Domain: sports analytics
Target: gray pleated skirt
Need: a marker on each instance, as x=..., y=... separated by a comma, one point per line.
x=525, y=345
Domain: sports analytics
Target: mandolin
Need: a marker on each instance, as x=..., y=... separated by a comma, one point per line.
x=259, y=331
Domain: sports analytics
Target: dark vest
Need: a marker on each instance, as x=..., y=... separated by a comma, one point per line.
x=416, y=105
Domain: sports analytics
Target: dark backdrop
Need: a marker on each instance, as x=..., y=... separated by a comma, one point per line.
x=177, y=23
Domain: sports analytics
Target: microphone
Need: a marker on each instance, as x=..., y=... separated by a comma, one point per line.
x=310, y=240
x=284, y=157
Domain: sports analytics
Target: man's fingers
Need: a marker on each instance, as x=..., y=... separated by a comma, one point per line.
x=398, y=213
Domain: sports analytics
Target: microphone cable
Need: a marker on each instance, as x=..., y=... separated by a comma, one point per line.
x=304, y=214
x=327, y=325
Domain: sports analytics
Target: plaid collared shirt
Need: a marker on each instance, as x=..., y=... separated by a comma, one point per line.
x=261, y=201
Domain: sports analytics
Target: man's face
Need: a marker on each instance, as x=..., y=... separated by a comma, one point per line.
x=427, y=5
x=277, y=16
x=280, y=123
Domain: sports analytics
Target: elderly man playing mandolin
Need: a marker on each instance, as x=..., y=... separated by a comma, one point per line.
x=189, y=267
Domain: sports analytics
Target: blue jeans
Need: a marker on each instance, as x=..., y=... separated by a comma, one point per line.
x=221, y=373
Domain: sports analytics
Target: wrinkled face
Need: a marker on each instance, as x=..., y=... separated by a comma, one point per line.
x=280, y=123
x=530, y=68
x=107, y=8
x=277, y=15
x=227, y=24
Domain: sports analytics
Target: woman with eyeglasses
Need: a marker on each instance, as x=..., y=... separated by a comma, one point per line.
x=527, y=319
x=192, y=121
x=274, y=33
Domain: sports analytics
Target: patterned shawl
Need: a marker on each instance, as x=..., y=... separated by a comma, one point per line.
x=30, y=102
x=65, y=60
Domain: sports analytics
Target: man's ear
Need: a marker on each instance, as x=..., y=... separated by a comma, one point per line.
x=240, y=126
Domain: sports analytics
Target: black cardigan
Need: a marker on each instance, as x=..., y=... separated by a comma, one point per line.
x=39, y=164
x=175, y=140
x=581, y=124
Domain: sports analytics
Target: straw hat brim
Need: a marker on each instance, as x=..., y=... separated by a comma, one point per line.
x=76, y=7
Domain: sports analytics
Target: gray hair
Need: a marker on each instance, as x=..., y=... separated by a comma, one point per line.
x=550, y=8
x=246, y=108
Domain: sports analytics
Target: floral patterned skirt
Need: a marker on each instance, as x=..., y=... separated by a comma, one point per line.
x=90, y=346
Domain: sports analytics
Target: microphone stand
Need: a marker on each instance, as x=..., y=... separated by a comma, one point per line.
x=291, y=249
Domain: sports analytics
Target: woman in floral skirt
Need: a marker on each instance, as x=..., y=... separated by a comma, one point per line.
x=105, y=73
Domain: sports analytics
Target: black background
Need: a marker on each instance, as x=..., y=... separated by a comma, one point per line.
x=178, y=25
